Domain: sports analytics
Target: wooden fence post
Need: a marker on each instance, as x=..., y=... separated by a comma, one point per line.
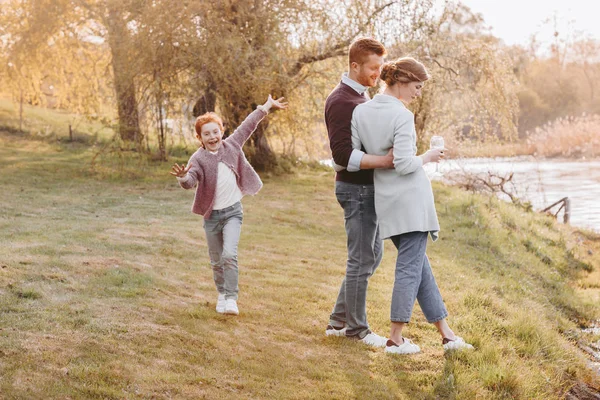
x=567, y=214
x=21, y=110
x=565, y=203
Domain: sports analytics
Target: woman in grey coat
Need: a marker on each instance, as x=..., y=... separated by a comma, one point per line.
x=404, y=199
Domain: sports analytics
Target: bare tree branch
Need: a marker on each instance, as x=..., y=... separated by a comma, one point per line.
x=339, y=48
x=444, y=68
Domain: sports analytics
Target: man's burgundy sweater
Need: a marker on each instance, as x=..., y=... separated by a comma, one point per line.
x=339, y=107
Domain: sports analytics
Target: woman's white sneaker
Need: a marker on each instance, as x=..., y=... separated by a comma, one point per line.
x=456, y=344
x=407, y=347
x=373, y=339
x=221, y=303
x=231, y=307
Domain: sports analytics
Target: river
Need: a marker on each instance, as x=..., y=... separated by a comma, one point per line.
x=543, y=182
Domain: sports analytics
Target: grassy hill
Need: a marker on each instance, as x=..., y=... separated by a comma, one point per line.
x=106, y=292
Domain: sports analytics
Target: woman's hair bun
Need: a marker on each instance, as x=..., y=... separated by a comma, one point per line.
x=404, y=70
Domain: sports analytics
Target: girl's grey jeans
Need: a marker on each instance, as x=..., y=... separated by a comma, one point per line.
x=223, y=229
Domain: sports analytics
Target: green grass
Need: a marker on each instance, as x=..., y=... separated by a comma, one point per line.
x=43, y=123
x=106, y=292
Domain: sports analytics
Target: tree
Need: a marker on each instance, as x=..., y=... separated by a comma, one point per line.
x=586, y=56
x=472, y=94
x=228, y=55
x=115, y=18
x=49, y=63
x=558, y=80
x=61, y=31
x=269, y=46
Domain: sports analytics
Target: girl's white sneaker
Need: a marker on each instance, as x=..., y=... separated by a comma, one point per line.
x=407, y=347
x=231, y=307
x=221, y=303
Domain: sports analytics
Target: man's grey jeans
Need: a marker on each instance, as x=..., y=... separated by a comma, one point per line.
x=365, y=250
x=223, y=229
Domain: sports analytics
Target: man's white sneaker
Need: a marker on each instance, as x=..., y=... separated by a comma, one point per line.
x=221, y=303
x=373, y=339
x=456, y=344
x=231, y=307
x=333, y=331
x=407, y=347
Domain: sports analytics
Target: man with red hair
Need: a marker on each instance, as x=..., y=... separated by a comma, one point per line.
x=355, y=192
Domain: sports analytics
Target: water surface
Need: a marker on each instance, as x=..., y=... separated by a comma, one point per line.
x=543, y=182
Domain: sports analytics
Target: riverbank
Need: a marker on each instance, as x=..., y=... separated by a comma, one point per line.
x=106, y=292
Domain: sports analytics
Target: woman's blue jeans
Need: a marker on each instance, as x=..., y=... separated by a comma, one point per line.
x=414, y=280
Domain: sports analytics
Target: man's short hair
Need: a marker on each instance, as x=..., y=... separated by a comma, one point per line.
x=362, y=48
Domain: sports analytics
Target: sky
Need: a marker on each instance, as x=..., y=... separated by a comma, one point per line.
x=514, y=21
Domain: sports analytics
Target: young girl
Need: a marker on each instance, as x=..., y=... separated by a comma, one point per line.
x=222, y=176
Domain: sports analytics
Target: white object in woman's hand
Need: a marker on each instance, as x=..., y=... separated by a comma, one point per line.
x=179, y=171
x=436, y=146
x=437, y=142
x=434, y=155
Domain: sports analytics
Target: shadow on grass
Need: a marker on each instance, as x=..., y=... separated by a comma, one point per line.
x=371, y=374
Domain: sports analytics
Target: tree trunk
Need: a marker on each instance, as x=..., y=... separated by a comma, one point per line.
x=257, y=148
x=21, y=110
x=262, y=156
x=207, y=102
x=162, y=139
x=421, y=115
x=129, y=126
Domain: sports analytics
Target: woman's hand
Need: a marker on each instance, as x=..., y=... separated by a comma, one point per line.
x=278, y=104
x=179, y=171
x=433, y=155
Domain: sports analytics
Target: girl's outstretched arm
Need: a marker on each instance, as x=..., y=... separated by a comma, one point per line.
x=185, y=179
x=179, y=170
x=278, y=104
x=243, y=132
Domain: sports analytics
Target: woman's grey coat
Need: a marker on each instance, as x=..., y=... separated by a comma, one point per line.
x=403, y=195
